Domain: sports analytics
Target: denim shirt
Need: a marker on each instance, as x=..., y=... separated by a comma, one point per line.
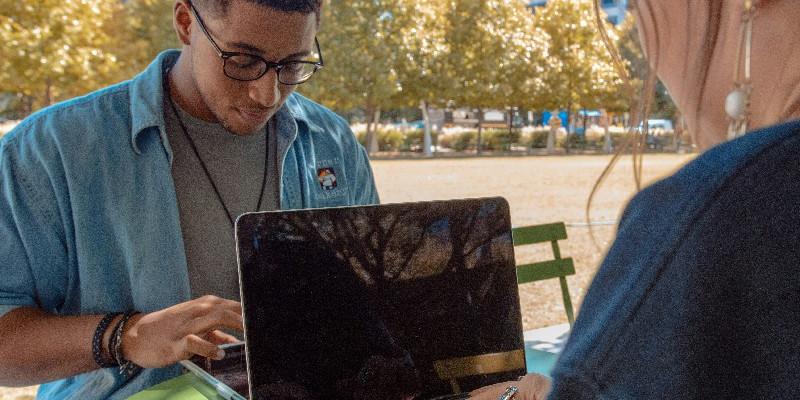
x=699, y=296
x=89, y=218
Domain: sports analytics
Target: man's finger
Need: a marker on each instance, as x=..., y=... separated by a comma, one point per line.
x=196, y=345
x=218, y=319
x=219, y=337
x=208, y=304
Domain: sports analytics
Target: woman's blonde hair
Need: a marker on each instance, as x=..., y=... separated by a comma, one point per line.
x=635, y=138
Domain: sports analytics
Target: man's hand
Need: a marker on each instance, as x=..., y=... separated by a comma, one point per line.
x=177, y=333
x=531, y=387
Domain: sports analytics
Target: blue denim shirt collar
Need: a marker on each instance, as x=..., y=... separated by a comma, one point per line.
x=147, y=100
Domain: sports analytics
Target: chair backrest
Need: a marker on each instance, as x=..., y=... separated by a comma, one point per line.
x=556, y=268
x=454, y=368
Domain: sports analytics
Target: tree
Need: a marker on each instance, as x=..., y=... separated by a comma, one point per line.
x=147, y=30
x=425, y=79
x=361, y=47
x=492, y=54
x=578, y=72
x=631, y=50
x=56, y=49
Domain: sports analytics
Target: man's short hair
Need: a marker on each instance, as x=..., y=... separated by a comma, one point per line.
x=301, y=6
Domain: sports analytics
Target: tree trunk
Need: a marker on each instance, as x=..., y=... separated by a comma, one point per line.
x=48, y=93
x=585, y=133
x=569, y=128
x=677, y=133
x=370, y=134
x=373, y=145
x=28, y=106
x=609, y=144
x=510, y=127
x=439, y=130
x=426, y=141
x=479, y=145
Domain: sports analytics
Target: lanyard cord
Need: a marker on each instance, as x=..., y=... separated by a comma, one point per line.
x=203, y=164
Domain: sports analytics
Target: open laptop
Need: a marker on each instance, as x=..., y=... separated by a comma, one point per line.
x=360, y=302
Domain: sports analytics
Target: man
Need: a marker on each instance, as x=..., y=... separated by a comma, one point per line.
x=125, y=199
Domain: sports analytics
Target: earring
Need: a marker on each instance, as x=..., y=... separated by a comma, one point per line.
x=737, y=104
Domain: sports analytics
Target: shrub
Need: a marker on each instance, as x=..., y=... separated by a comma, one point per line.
x=536, y=139
x=390, y=139
x=459, y=141
x=393, y=140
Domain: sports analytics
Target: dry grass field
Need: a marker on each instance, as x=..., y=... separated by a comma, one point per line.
x=539, y=190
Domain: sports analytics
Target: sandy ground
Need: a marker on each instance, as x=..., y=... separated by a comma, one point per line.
x=539, y=190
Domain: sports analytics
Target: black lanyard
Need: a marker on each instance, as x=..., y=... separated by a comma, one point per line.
x=203, y=164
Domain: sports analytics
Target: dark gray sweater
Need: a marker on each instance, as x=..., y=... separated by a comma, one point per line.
x=699, y=297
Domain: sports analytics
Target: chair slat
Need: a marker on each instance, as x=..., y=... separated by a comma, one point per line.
x=545, y=270
x=539, y=233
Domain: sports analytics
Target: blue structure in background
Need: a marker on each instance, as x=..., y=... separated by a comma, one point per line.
x=562, y=115
x=615, y=9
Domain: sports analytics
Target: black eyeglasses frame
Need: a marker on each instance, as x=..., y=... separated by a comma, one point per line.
x=279, y=66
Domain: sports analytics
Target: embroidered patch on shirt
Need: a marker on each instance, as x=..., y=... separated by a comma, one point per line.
x=327, y=178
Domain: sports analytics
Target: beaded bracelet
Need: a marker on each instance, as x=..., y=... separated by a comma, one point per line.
x=97, y=341
x=126, y=367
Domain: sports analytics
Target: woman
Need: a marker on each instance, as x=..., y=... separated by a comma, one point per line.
x=699, y=297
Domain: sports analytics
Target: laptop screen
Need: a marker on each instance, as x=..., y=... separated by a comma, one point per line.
x=361, y=302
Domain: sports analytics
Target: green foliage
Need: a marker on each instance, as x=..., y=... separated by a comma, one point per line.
x=361, y=43
x=536, y=139
x=147, y=31
x=458, y=141
x=55, y=49
x=51, y=50
x=631, y=50
x=492, y=140
x=397, y=53
x=380, y=54
x=493, y=54
x=578, y=72
x=395, y=140
x=390, y=140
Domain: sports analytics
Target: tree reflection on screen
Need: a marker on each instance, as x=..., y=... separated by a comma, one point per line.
x=408, y=284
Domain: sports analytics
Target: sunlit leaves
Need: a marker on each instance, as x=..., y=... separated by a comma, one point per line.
x=52, y=50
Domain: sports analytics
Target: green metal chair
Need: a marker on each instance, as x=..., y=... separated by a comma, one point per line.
x=556, y=268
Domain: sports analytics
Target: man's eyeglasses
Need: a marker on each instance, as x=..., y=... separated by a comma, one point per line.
x=249, y=67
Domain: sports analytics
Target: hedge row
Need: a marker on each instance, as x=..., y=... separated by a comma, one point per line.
x=393, y=140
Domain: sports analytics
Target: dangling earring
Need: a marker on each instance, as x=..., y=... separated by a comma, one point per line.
x=737, y=104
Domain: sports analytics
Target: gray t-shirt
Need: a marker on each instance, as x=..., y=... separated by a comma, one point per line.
x=236, y=165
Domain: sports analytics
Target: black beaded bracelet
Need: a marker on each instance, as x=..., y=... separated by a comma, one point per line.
x=97, y=341
x=126, y=367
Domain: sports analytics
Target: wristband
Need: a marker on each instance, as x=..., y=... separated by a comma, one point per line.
x=97, y=341
x=126, y=367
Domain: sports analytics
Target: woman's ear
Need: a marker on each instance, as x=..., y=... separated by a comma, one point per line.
x=182, y=20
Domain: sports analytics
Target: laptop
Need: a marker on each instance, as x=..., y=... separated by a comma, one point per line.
x=360, y=302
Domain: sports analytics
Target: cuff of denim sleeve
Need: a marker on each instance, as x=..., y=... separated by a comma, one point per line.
x=6, y=308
